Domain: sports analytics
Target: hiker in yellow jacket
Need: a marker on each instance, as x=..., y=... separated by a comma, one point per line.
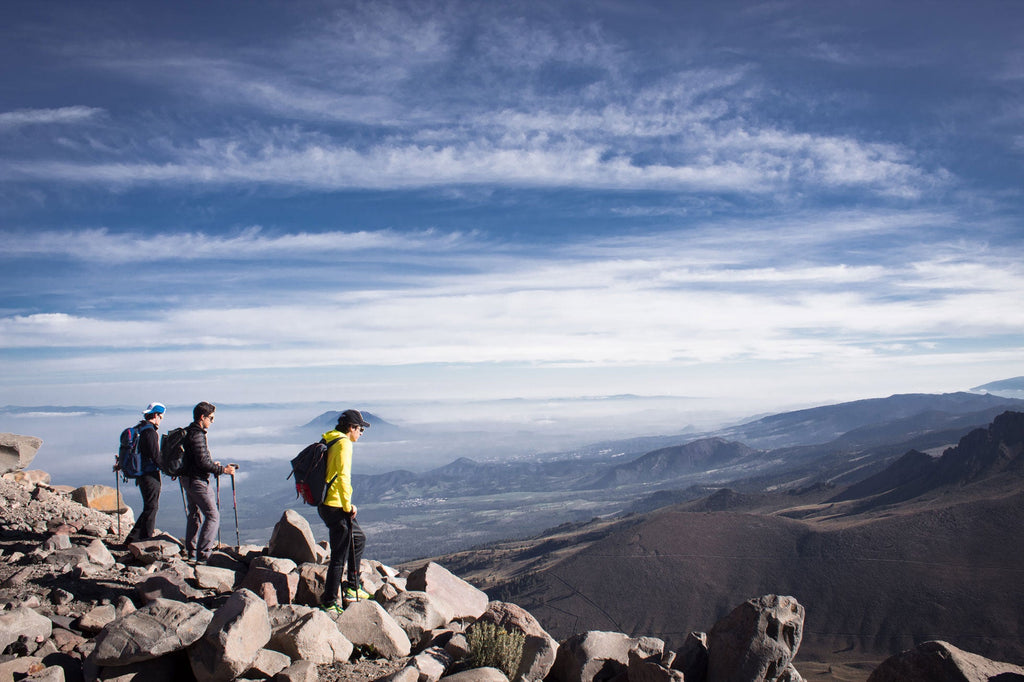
x=346, y=537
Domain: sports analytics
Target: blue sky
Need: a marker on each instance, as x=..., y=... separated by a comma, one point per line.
x=768, y=203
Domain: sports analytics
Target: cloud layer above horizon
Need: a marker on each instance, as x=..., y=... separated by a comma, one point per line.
x=478, y=200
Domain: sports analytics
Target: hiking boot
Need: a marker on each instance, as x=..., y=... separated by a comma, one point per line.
x=331, y=609
x=351, y=595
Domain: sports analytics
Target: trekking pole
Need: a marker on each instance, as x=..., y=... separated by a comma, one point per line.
x=352, y=554
x=184, y=504
x=218, y=510
x=234, y=503
x=117, y=487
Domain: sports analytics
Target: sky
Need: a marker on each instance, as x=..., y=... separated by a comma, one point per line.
x=757, y=203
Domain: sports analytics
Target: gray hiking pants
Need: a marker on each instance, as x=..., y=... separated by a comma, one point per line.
x=203, y=518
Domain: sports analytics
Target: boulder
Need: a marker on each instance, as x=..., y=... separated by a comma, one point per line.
x=939, y=661
x=273, y=563
x=97, y=618
x=477, y=675
x=692, y=657
x=99, y=554
x=587, y=655
x=153, y=550
x=237, y=632
x=465, y=600
x=292, y=538
x=757, y=641
x=407, y=674
x=366, y=623
x=311, y=584
x=653, y=668
x=314, y=637
x=30, y=478
x=220, y=580
x=22, y=621
x=418, y=614
x=99, y=497
x=168, y=668
x=17, y=452
x=274, y=587
x=159, y=628
x=539, y=648
x=432, y=663
x=166, y=585
x=267, y=664
x=299, y=671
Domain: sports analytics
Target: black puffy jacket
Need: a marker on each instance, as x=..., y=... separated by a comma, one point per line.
x=198, y=462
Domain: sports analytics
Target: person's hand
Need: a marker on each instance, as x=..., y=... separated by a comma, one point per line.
x=230, y=470
x=353, y=511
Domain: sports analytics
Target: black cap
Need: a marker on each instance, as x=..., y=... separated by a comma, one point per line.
x=353, y=417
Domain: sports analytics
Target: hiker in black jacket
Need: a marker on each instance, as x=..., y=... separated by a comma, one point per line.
x=149, y=480
x=203, y=515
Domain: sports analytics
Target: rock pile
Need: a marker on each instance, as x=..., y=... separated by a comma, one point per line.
x=77, y=604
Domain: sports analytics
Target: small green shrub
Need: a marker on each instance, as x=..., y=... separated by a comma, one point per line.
x=493, y=647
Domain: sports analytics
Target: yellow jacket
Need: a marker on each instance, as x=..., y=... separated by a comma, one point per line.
x=339, y=464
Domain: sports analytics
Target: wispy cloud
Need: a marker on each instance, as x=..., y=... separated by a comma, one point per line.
x=33, y=117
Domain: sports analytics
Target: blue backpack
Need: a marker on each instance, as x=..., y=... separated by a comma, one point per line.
x=129, y=457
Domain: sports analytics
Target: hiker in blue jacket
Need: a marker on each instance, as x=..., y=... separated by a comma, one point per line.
x=149, y=480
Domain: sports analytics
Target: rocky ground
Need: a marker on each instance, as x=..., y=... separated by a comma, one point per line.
x=77, y=603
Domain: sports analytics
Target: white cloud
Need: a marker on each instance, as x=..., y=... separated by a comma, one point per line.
x=62, y=115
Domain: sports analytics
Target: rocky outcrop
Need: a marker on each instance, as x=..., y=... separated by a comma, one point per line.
x=942, y=662
x=17, y=452
x=77, y=604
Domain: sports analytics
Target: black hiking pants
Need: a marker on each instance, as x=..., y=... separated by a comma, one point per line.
x=145, y=525
x=340, y=525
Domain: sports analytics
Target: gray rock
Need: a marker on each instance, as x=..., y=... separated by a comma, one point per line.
x=757, y=641
x=99, y=554
x=366, y=623
x=432, y=663
x=692, y=657
x=166, y=585
x=97, y=618
x=581, y=657
x=159, y=628
x=939, y=661
x=273, y=563
x=22, y=621
x=299, y=671
x=407, y=674
x=651, y=669
x=465, y=600
x=272, y=586
x=313, y=637
x=220, y=580
x=311, y=583
x=235, y=635
x=539, y=648
x=17, y=452
x=477, y=675
x=292, y=538
x=418, y=614
x=152, y=550
x=267, y=664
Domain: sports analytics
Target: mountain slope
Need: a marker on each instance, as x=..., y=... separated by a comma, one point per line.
x=875, y=579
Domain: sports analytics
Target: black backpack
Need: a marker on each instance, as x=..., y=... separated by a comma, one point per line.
x=309, y=468
x=172, y=452
x=129, y=458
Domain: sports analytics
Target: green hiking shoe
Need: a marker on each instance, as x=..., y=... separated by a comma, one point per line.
x=350, y=594
x=331, y=609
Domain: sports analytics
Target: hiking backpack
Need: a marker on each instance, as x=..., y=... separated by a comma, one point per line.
x=172, y=452
x=309, y=468
x=129, y=457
